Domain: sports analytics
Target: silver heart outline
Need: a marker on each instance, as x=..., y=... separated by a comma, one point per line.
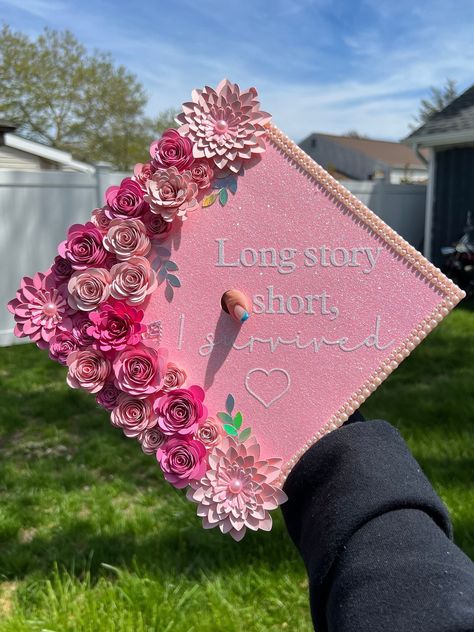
x=267, y=373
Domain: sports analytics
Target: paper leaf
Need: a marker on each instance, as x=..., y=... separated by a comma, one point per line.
x=232, y=185
x=163, y=252
x=208, y=200
x=230, y=430
x=229, y=403
x=162, y=273
x=170, y=265
x=169, y=293
x=223, y=197
x=245, y=434
x=227, y=419
x=173, y=280
x=238, y=420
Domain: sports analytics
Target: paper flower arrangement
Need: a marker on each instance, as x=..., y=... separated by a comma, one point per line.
x=87, y=310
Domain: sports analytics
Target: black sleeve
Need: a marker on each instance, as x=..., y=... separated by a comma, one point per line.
x=375, y=537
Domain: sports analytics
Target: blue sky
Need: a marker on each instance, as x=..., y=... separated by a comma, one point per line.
x=319, y=65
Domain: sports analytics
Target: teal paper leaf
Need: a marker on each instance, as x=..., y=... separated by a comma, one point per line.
x=163, y=252
x=232, y=185
x=173, y=280
x=229, y=403
x=169, y=293
x=238, y=420
x=227, y=419
x=230, y=430
x=245, y=434
x=223, y=197
x=170, y=265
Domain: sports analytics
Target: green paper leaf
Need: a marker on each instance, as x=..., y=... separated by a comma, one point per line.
x=208, y=200
x=223, y=197
x=224, y=417
x=230, y=430
x=173, y=280
x=238, y=420
x=229, y=403
x=245, y=434
x=170, y=265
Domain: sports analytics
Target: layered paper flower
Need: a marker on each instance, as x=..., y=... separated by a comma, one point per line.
x=171, y=193
x=107, y=396
x=83, y=247
x=172, y=150
x=175, y=377
x=238, y=490
x=115, y=325
x=182, y=460
x=225, y=125
x=40, y=309
x=151, y=439
x=88, y=369
x=125, y=201
x=132, y=280
x=89, y=288
x=126, y=238
x=61, y=346
x=202, y=174
x=156, y=227
x=180, y=411
x=210, y=432
x=139, y=370
x=143, y=172
x=133, y=415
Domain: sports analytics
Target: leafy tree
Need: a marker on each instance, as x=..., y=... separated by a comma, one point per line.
x=439, y=98
x=61, y=95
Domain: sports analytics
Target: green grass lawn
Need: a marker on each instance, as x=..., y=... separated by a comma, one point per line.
x=91, y=539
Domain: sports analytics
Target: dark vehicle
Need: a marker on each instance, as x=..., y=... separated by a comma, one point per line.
x=459, y=260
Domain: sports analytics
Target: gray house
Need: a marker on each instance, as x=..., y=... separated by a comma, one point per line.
x=354, y=158
x=449, y=138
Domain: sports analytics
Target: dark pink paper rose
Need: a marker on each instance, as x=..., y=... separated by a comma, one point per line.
x=107, y=396
x=125, y=201
x=140, y=371
x=172, y=150
x=142, y=173
x=88, y=369
x=133, y=415
x=40, y=309
x=100, y=219
x=80, y=325
x=61, y=345
x=180, y=411
x=182, y=460
x=202, y=174
x=61, y=269
x=156, y=227
x=174, y=377
x=151, y=439
x=115, y=325
x=83, y=247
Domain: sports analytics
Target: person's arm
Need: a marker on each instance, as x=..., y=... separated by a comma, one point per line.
x=375, y=537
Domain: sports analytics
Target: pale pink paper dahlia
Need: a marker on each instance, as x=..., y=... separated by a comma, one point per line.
x=238, y=489
x=40, y=309
x=225, y=125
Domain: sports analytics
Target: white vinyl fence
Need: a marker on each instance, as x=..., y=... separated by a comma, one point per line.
x=36, y=209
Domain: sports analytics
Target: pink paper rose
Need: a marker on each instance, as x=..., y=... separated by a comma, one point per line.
x=180, y=411
x=142, y=173
x=202, y=173
x=133, y=280
x=61, y=345
x=156, y=227
x=115, y=325
x=88, y=369
x=182, y=460
x=100, y=219
x=139, y=371
x=125, y=201
x=126, y=238
x=151, y=439
x=61, y=269
x=83, y=247
x=172, y=150
x=133, y=415
x=89, y=288
x=40, y=309
x=174, y=377
x=210, y=432
x=80, y=325
x=171, y=193
x=107, y=396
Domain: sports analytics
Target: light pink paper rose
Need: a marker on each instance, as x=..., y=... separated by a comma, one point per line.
x=171, y=193
x=107, y=396
x=133, y=280
x=182, y=460
x=40, y=309
x=61, y=346
x=83, y=247
x=133, y=415
x=180, y=411
x=174, y=377
x=88, y=369
x=89, y=288
x=210, y=432
x=172, y=150
x=139, y=371
x=142, y=173
x=115, y=325
x=202, y=174
x=156, y=227
x=126, y=238
x=100, y=219
x=125, y=201
x=151, y=439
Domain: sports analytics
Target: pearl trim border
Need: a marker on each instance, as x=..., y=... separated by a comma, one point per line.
x=415, y=260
